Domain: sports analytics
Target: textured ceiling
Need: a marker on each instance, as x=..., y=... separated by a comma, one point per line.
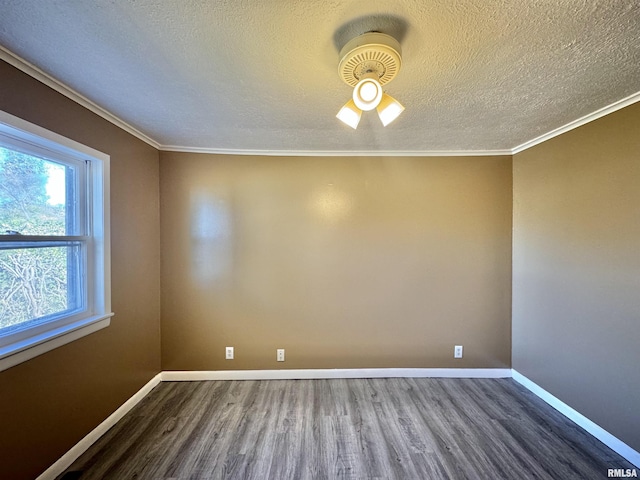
x=255, y=74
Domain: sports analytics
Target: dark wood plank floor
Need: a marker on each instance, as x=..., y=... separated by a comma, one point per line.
x=395, y=428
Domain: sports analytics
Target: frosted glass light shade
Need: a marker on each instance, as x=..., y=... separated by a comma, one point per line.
x=389, y=109
x=367, y=93
x=350, y=114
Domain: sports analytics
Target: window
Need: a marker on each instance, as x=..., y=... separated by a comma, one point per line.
x=54, y=241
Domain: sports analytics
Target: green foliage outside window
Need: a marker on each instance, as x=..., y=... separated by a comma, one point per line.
x=33, y=281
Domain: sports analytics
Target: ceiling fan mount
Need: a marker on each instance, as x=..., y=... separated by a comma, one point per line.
x=370, y=53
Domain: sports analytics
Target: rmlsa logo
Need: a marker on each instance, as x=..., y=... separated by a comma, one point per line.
x=622, y=473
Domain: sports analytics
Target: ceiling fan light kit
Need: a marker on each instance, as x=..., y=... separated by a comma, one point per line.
x=350, y=114
x=367, y=63
x=368, y=92
x=388, y=109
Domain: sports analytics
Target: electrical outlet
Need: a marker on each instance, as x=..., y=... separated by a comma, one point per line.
x=229, y=353
x=280, y=354
x=457, y=351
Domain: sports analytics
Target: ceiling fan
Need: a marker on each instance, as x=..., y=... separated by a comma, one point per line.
x=367, y=63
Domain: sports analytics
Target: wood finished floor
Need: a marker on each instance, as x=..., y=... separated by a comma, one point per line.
x=395, y=428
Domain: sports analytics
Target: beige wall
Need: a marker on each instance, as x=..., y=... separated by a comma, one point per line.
x=344, y=262
x=576, y=270
x=49, y=403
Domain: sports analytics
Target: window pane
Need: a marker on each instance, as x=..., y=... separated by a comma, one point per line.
x=38, y=283
x=37, y=196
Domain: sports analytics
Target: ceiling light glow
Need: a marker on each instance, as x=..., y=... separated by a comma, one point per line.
x=389, y=109
x=350, y=114
x=367, y=93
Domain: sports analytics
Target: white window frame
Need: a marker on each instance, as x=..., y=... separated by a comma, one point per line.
x=25, y=344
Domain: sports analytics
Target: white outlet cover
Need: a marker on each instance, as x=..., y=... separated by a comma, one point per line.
x=280, y=354
x=229, y=353
x=457, y=351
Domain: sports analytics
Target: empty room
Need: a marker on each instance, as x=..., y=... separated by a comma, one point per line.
x=319, y=240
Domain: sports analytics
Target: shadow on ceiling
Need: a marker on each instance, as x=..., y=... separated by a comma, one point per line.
x=389, y=24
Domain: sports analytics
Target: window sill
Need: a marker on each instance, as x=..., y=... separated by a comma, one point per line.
x=15, y=353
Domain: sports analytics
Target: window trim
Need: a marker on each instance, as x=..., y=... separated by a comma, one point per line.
x=98, y=313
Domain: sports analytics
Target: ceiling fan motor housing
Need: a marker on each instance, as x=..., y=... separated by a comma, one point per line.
x=371, y=53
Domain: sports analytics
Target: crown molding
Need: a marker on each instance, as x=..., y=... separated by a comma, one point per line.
x=615, y=106
x=33, y=71
x=337, y=153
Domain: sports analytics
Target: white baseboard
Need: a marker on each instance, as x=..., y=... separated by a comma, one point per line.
x=597, y=431
x=303, y=374
x=83, y=445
